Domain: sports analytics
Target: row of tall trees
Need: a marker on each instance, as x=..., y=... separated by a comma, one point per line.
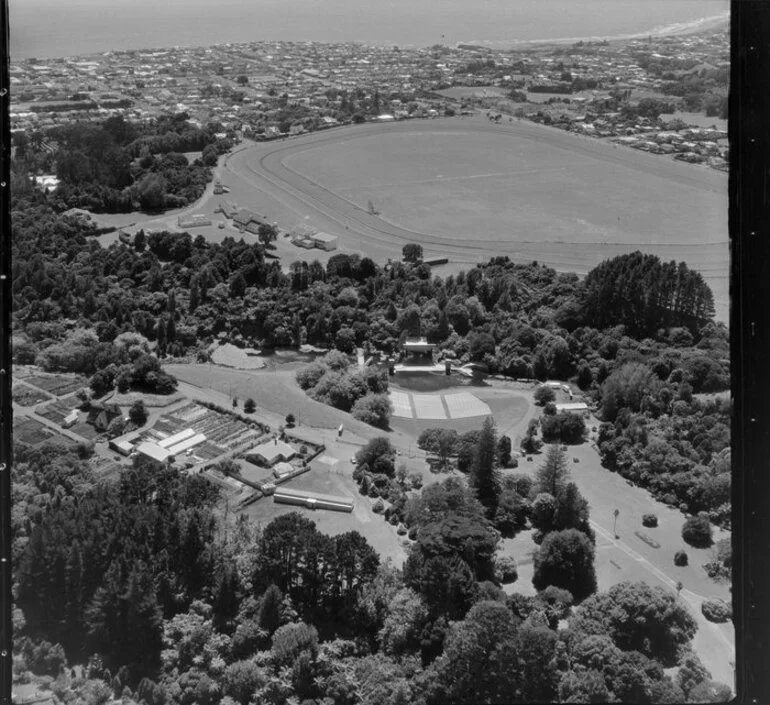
x=171, y=604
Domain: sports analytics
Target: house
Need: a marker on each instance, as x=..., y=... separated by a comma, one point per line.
x=229, y=209
x=324, y=241
x=47, y=182
x=270, y=453
x=100, y=417
x=247, y=220
x=70, y=419
x=124, y=444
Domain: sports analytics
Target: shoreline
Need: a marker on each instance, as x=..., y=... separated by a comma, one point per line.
x=678, y=29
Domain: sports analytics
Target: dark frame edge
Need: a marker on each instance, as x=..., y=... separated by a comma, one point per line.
x=749, y=112
x=6, y=409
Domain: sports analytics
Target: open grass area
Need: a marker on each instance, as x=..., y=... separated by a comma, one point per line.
x=469, y=190
x=500, y=188
x=380, y=535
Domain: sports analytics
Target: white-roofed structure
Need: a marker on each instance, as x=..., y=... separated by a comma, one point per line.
x=313, y=500
x=176, y=438
x=324, y=241
x=577, y=407
x=152, y=451
x=186, y=444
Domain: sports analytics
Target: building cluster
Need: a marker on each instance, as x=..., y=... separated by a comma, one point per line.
x=268, y=90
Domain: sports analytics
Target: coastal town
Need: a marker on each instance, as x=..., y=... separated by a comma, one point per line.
x=351, y=374
x=664, y=95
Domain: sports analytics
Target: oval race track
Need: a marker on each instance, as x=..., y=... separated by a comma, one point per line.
x=516, y=189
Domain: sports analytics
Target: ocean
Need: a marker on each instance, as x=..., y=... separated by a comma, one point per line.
x=54, y=28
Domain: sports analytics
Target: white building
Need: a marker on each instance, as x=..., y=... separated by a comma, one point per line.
x=577, y=407
x=324, y=241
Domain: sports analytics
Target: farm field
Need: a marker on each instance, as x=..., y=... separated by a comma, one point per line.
x=469, y=190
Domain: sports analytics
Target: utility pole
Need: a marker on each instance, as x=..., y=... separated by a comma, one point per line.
x=615, y=525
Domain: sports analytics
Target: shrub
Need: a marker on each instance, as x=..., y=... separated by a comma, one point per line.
x=374, y=409
x=505, y=570
x=650, y=520
x=716, y=610
x=379, y=507
x=415, y=480
x=412, y=533
x=543, y=395
x=308, y=377
x=680, y=558
x=697, y=532
x=138, y=413
x=401, y=530
x=249, y=406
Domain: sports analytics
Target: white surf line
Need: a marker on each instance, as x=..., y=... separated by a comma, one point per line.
x=692, y=598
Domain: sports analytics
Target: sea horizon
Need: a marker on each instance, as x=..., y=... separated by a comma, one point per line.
x=83, y=31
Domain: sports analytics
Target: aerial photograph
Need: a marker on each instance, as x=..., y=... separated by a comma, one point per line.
x=370, y=353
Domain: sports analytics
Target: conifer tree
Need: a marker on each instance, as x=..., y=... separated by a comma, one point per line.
x=552, y=475
x=483, y=475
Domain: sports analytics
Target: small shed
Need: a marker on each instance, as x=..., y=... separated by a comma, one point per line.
x=70, y=419
x=281, y=469
x=577, y=407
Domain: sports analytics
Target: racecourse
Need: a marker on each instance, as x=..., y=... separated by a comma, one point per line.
x=467, y=189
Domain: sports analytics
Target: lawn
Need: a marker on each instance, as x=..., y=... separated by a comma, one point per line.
x=380, y=535
x=470, y=190
x=500, y=188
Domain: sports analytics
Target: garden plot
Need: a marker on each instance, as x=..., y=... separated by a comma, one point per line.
x=27, y=396
x=58, y=385
x=31, y=432
x=58, y=410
